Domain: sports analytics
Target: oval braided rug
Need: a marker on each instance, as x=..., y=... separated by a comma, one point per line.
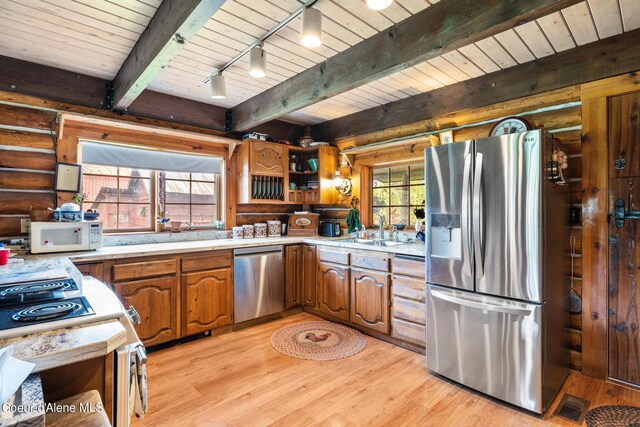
x=318, y=341
x=614, y=416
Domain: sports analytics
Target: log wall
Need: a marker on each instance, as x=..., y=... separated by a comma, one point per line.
x=27, y=164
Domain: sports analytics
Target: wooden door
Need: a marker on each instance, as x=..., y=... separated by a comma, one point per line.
x=155, y=300
x=370, y=299
x=293, y=275
x=207, y=300
x=333, y=284
x=309, y=282
x=624, y=251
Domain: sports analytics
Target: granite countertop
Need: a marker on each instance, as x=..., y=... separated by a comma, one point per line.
x=115, y=252
x=60, y=347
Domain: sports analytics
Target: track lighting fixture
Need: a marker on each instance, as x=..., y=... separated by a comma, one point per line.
x=311, y=31
x=257, y=62
x=379, y=4
x=217, y=86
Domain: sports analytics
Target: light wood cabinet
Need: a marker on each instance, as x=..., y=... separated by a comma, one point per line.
x=309, y=272
x=207, y=300
x=370, y=299
x=318, y=183
x=266, y=158
x=333, y=285
x=408, y=308
x=293, y=275
x=155, y=300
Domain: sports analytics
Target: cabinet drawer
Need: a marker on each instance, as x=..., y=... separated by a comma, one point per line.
x=208, y=261
x=408, y=288
x=410, y=310
x=140, y=270
x=373, y=262
x=333, y=256
x=407, y=267
x=408, y=331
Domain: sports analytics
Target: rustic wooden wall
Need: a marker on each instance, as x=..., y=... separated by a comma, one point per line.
x=27, y=164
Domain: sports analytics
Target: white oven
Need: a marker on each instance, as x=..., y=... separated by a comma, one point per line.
x=46, y=237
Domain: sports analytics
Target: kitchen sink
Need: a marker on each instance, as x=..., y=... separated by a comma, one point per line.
x=362, y=241
x=387, y=243
x=375, y=242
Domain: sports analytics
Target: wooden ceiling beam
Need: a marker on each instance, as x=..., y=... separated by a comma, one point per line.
x=605, y=58
x=27, y=83
x=441, y=28
x=173, y=25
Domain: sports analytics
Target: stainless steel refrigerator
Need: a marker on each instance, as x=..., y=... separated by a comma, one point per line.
x=497, y=224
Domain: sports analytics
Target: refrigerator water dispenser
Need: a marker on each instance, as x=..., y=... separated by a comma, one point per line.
x=445, y=236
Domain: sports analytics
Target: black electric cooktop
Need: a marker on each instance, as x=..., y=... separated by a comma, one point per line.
x=41, y=312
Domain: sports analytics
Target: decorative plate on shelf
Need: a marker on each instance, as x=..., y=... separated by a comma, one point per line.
x=315, y=144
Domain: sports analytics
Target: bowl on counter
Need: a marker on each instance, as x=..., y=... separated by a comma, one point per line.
x=399, y=227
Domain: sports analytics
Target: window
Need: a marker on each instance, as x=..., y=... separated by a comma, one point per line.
x=123, y=196
x=189, y=197
x=130, y=198
x=397, y=191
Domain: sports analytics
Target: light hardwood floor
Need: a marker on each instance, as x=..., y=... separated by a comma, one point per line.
x=238, y=379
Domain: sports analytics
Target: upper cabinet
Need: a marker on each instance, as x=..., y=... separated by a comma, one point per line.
x=274, y=173
x=267, y=158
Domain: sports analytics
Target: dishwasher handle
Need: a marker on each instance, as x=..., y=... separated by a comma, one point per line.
x=257, y=250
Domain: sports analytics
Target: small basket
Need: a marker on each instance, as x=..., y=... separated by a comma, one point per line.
x=67, y=216
x=40, y=215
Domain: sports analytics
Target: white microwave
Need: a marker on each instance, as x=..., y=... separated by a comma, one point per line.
x=47, y=237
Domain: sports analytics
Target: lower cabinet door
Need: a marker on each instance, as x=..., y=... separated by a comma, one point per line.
x=155, y=300
x=293, y=275
x=370, y=299
x=207, y=300
x=333, y=284
x=309, y=282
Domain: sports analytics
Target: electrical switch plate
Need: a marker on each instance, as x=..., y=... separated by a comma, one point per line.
x=25, y=224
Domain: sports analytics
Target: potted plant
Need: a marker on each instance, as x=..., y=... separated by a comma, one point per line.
x=419, y=213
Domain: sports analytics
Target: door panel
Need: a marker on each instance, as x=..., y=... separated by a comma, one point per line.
x=489, y=344
x=207, y=300
x=333, y=283
x=507, y=206
x=309, y=283
x=624, y=251
x=448, y=188
x=370, y=299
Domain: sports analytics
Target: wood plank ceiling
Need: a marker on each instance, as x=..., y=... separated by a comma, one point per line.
x=94, y=37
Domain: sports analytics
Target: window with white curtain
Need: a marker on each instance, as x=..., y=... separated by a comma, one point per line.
x=131, y=187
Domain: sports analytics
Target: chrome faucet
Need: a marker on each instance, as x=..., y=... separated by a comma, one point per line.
x=382, y=219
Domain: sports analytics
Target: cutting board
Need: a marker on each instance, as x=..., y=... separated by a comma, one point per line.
x=35, y=276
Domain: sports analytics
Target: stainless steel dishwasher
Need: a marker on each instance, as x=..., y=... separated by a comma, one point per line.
x=258, y=284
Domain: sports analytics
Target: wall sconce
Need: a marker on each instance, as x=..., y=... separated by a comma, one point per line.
x=343, y=185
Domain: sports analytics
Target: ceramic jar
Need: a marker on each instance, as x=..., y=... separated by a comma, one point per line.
x=274, y=228
x=247, y=231
x=238, y=232
x=261, y=229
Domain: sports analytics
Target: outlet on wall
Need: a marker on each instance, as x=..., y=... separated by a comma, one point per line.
x=25, y=224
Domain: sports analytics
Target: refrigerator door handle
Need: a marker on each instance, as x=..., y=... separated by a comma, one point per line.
x=480, y=305
x=478, y=217
x=465, y=225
